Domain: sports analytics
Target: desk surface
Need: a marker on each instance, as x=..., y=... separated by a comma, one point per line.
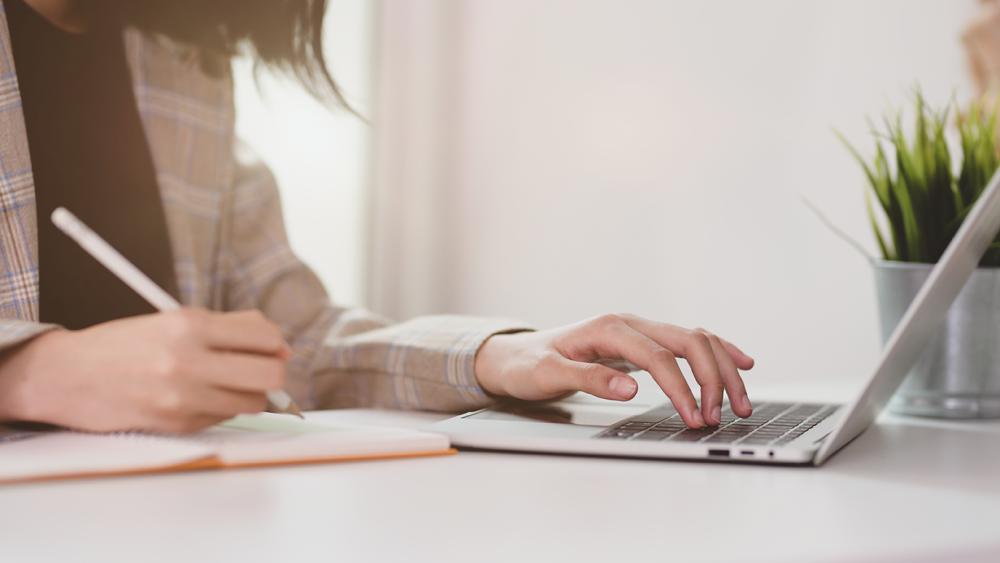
x=906, y=490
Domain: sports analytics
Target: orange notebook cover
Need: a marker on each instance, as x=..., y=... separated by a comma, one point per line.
x=246, y=441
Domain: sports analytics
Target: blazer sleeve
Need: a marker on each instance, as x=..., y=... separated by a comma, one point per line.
x=342, y=357
x=14, y=332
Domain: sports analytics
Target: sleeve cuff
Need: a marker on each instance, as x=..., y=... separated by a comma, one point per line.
x=461, y=362
x=16, y=332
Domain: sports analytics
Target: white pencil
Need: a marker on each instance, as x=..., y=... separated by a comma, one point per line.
x=133, y=277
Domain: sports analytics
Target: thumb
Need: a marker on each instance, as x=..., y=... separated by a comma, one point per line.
x=596, y=379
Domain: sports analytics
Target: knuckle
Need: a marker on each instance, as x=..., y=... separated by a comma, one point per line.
x=168, y=366
x=185, y=323
x=699, y=339
x=626, y=317
x=170, y=403
x=713, y=386
x=176, y=326
x=608, y=320
x=711, y=336
x=662, y=356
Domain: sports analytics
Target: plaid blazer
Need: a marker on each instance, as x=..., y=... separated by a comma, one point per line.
x=230, y=250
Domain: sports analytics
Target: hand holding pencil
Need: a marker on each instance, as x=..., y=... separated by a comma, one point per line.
x=177, y=371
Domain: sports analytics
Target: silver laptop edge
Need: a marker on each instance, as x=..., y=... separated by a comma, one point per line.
x=922, y=319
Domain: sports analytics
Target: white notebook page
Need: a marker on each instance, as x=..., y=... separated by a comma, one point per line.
x=70, y=453
x=246, y=439
x=273, y=437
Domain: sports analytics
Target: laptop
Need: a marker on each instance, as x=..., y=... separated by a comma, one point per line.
x=791, y=433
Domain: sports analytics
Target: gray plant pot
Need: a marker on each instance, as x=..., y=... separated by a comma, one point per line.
x=958, y=375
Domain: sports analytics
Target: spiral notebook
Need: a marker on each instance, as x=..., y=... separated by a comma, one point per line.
x=246, y=441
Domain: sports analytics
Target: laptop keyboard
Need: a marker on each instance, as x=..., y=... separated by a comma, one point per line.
x=770, y=424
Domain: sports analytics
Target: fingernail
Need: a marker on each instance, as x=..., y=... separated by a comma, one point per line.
x=623, y=387
x=699, y=421
x=717, y=414
x=745, y=401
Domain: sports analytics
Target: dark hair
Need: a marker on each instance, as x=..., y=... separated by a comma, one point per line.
x=282, y=34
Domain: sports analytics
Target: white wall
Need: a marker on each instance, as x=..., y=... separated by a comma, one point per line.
x=648, y=156
x=319, y=156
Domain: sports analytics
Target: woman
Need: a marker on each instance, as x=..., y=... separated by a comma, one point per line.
x=982, y=46
x=122, y=112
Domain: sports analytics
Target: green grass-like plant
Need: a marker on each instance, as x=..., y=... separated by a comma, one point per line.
x=922, y=198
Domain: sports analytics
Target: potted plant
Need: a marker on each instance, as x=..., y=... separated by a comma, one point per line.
x=921, y=188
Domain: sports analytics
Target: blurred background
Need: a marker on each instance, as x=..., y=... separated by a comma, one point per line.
x=549, y=160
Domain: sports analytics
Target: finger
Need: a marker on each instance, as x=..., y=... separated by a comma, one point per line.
x=245, y=331
x=672, y=335
x=731, y=377
x=705, y=367
x=618, y=364
x=226, y=403
x=623, y=341
x=186, y=425
x=241, y=372
x=694, y=346
x=595, y=379
x=742, y=360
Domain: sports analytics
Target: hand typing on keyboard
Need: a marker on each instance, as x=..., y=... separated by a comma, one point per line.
x=550, y=364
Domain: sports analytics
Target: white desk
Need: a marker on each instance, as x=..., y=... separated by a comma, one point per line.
x=904, y=491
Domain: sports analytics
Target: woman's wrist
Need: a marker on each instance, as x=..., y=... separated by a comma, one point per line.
x=488, y=364
x=19, y=368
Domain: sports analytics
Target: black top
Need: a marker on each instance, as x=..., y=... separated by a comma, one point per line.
x=89, y=154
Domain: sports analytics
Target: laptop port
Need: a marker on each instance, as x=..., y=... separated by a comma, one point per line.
x=718, y=453
x=746, y=452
